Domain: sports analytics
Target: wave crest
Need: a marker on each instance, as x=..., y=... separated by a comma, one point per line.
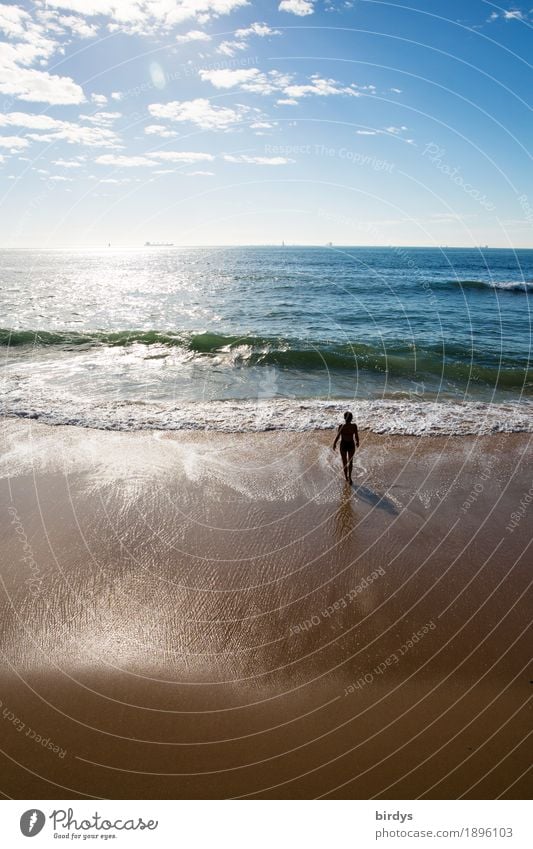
x=450, y=362
x=516, y=286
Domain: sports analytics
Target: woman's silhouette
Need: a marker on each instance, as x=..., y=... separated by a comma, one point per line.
x=347, y=432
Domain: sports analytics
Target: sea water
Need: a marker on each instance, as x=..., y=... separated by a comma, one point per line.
x=414, y=340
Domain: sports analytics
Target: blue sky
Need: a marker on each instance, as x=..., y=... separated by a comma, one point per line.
x=233, y=122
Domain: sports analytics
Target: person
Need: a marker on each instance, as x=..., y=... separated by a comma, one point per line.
x=347, y=432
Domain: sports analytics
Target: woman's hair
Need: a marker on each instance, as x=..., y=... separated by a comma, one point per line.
x=348, y=417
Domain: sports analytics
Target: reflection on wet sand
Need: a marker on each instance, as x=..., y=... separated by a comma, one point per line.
x=345, y=517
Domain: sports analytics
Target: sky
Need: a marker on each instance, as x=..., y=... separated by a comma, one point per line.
x=214, y=122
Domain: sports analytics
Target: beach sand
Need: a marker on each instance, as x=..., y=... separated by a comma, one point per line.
x=208, y=615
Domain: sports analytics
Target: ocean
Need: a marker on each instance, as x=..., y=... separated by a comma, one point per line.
x=413, y=340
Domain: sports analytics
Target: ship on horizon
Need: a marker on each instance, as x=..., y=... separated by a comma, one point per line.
x=159, y=244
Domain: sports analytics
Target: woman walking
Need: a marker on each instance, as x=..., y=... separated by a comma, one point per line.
x=347, y=432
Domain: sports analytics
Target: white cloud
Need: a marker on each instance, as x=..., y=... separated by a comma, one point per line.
x=26, y=45
x=200, y=112
x=38, y=86
x=241, y=36
x=119, y=161
x=200, y=174
x=321, y=87
x=257, y=160
x=274, y=81
x=507, y=15
x=113, y=180
x=229, y=78
x=193, y=35
x=116, y=95
x=58, y=178
x=297, y=7
x=74, y=134
x=247, y=79
x=261, y=30
x=182, y=156
x=153, y=159
x=30, y=121
x=257, y=82
x=29, y=43
x=230, y=48
x=13, y=142
x=159, y=130
x=148, y=16
x=287, y=101
x=78, y=26
x=67, y=163
x=99, y=99
x=399, y=133
x=101, y=118
x=13, y=21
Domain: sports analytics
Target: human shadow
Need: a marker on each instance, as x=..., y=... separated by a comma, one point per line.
x=375, y=499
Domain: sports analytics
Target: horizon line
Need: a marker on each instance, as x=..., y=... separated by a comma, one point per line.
x=330, y=245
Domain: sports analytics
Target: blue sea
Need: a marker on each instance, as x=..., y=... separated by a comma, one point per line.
x=414, y=340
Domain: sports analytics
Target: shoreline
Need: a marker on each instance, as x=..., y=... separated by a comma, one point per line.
x=404, y=416
x=214, y=615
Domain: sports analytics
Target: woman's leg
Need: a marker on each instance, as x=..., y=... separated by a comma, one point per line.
x=344, y=458
x=350, y=465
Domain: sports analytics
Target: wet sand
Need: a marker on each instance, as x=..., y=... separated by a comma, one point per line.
x=217, y=615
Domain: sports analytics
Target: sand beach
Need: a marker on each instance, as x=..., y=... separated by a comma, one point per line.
x=215, y=615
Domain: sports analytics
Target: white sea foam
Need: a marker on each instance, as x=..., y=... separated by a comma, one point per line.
x=392, y=416
x=510, y=285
